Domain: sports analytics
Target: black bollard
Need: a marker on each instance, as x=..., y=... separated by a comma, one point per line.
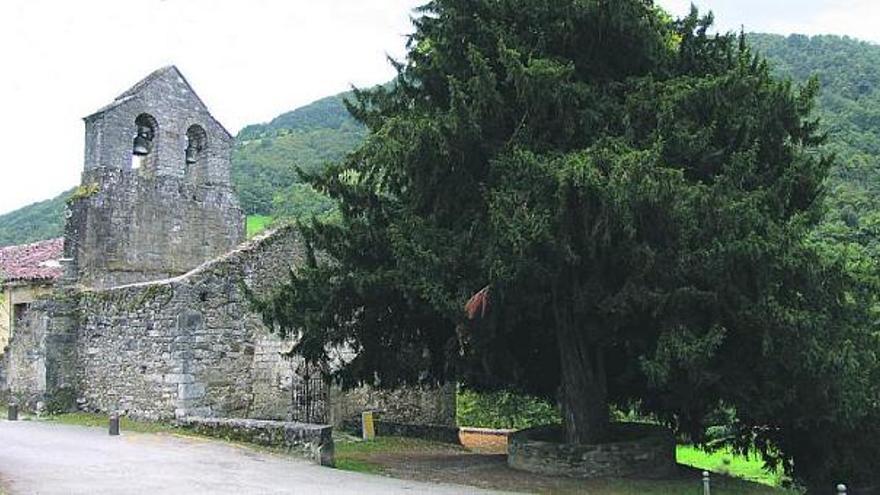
x=114, y=424
x=12, y=412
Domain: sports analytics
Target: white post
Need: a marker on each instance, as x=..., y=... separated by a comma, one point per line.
x=841, y=489
x=706, y=483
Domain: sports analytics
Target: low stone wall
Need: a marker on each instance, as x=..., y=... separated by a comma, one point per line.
x=480, y=439
x=437, y=433
x=644, y=451
x=314, y=442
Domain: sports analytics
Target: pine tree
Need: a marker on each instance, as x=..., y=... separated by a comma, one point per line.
x=629, y=198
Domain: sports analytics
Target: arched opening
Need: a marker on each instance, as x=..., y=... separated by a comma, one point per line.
x=196, y=144
x=142, y=147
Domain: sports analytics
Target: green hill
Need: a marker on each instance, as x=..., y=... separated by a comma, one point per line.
x=849, y=106
x=311, y=136
x=35, y=222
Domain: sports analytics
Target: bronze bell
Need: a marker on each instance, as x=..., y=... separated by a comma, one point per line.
x=142, y=141
x=191, y=154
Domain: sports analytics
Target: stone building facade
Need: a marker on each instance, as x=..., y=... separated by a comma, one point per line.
x=26, y=273
x=153, y=314
x=156, y=198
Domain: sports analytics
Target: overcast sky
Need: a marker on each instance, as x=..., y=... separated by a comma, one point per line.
x=249, y=60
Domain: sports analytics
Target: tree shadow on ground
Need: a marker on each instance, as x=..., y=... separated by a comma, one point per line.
x=450, y=464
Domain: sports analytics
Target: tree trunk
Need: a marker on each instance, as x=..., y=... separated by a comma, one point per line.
x=583, y=394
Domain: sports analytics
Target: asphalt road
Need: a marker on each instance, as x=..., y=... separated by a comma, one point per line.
x=47, y=458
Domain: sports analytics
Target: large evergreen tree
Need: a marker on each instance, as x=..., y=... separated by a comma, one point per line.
x=632, y=194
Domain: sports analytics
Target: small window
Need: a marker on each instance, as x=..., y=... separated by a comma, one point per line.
x=20, y=313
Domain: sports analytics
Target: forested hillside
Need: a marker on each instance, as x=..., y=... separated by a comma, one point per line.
x=322, y=132
x=265, y=156
x=43, y=220
x=849, y=106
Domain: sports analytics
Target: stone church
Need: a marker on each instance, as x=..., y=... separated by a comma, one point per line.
x=141, y=307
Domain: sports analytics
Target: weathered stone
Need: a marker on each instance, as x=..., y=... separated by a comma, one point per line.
x=314, y=442
x=637, y=451
x=409, y=405
x=167, y=216
x=151, y=317
x=178, y=378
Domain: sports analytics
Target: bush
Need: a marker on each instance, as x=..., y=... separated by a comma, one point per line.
x=503, y=409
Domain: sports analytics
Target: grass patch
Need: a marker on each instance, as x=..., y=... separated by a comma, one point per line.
x=725, y=462
x=102, y=420
x=353, y=446
x=354, y=454
x=256, y=224
x=358, y=466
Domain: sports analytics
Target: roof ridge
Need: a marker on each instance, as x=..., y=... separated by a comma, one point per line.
x=34, y=243
x=152, y=76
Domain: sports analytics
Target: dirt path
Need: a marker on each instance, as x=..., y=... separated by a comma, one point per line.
x=447, y=464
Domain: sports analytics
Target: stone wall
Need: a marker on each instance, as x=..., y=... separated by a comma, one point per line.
x=126, y=228
x=40, y=362
x=639, y=451
x=189, y=345
x=12, y=294
x=415, y=405
x=140, y=322
x=314, y=442
x=435, y=433
x=25, y=361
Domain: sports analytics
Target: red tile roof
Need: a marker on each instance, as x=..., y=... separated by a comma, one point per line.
x=37, y=261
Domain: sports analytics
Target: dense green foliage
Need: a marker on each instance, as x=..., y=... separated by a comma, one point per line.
x=267, y=156
x=503, y=409
x=639, y=199
x=849, y=106
x=36, y=222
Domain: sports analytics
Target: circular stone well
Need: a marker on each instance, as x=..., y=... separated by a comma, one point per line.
x=635, y=451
